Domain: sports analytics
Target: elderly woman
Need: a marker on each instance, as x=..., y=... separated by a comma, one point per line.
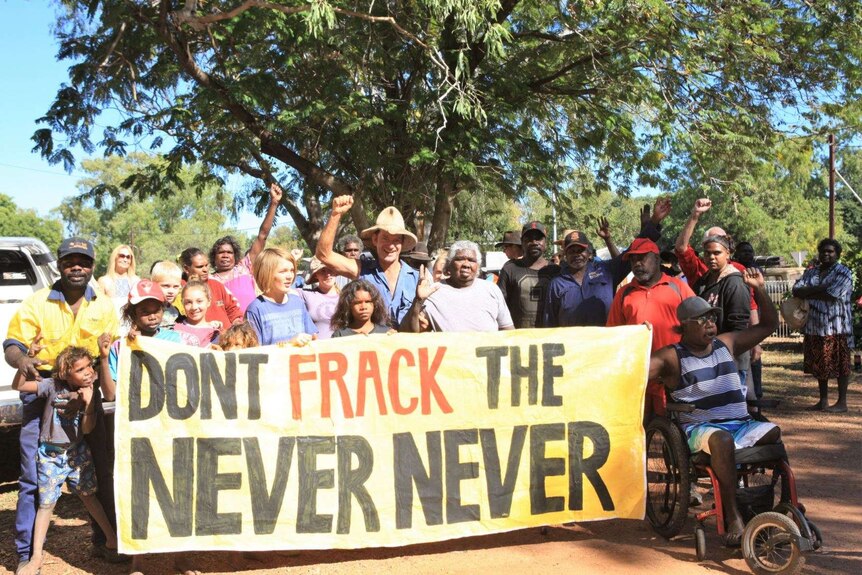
x=829, y=329
x=232, y=268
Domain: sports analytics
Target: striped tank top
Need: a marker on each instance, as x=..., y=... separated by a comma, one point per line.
x=711, y=383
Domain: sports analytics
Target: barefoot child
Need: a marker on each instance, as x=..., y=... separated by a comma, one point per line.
x=278, y=315
x=196, y=300
x=360, y=310
x=63, y=455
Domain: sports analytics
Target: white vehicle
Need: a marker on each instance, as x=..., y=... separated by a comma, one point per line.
x=26, y=265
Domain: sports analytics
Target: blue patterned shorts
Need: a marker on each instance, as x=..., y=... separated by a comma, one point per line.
x=58, y=465
x=745, y=433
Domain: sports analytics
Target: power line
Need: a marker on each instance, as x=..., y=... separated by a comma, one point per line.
x=72, y=175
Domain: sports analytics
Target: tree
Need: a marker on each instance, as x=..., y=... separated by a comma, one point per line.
x=17, y=222
x=159, y=227
x=418, y=103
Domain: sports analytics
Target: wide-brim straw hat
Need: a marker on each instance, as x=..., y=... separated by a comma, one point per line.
x=391, y=221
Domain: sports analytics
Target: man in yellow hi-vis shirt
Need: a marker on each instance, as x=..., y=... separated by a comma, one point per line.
x=70, y=312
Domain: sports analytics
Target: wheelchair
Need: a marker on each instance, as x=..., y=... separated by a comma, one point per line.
x=776, y=534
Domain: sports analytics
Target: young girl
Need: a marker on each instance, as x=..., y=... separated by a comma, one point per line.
x=360, y=310
x=238, y=336
x=196, y=300
x=63, y=455
x=278, y=314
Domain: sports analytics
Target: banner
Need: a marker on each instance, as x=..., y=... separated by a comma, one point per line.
x=378, y=440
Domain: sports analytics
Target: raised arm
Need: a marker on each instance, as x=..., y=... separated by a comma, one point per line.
x=701, y=206
x=742, y=341
x=412, y=322
x=604, y=231
x=106, y=382
x=259, y=243
x=339, y=264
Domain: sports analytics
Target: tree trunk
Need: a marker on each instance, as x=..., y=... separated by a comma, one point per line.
x=443, y=204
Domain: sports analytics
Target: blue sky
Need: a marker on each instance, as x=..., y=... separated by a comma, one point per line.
x=31, y=76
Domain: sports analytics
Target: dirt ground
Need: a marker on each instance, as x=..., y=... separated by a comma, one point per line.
x=825, y=451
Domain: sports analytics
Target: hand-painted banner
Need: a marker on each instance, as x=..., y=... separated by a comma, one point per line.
x=379, y=440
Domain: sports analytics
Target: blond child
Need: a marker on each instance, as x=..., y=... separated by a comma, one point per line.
x=168, y=276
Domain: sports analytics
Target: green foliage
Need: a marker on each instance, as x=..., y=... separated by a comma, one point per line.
x=416, y=102
x=159, y=227
x=17, y=222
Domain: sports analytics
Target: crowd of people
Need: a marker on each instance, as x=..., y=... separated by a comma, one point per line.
x=707, y=311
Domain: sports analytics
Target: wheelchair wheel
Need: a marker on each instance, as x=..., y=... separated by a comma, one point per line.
x=668, y=478
x=817, y=539
x=700, y=542
x=769, y=545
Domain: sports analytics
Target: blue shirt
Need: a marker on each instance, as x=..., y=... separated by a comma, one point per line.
x=568, y=303
x=402, y=297
x=276, y=322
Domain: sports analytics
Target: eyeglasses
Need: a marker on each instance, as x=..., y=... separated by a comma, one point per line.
x=705, y=319
x=351, y=250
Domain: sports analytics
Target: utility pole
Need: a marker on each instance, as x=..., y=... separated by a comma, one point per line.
x=831, y=140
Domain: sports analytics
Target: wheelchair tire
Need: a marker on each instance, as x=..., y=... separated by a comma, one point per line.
x=700, y=542
x=769, y=545
x=817, y=539
x=668, y=477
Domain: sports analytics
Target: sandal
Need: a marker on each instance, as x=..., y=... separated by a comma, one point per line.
x=733, y=540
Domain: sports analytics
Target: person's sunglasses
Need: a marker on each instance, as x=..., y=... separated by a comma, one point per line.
x=124, y=256
x=705, y=319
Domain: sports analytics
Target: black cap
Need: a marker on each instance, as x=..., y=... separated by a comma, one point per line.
x=576, y=238
x=538, y=226
x=76, y=246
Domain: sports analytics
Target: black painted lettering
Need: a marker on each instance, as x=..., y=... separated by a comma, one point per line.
x=176, y=508
x=254, y=361
x=208, y=520
x=351, y=482
x=550, y=370
x=225, y=388
x=142, y=360
x=456, y=471
x=542, y=467
x=409, y=470
x=493, y=357
x=266, y=503
x=308, y=520
x=530, y=371
x=580, y=467
x=500, y=490
x=187, y=364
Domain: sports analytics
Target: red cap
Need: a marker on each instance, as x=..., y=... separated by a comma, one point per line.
x=642, y=246
x=145, y=289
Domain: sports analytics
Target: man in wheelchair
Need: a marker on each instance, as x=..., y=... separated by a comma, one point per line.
x=700, y=370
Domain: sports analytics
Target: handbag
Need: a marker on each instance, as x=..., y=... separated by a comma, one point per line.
x=794, y=310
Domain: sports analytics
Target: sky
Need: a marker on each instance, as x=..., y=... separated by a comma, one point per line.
x=31, y=76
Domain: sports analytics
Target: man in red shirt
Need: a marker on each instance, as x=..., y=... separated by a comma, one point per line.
x=651, y=296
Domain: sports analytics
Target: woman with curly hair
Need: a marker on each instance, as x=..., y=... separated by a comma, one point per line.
x=360, y=311
x=234, y=270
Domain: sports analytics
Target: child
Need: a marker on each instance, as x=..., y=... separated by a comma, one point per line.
x=278, y=314
x=238, y=336
x=63, y=455
x=196, y=300
x=360, y=310
x=168, y=275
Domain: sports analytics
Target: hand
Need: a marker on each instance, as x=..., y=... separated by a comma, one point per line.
x=29, y=367
x=341, y=205
x=756, y=353
x=105, y=341
x=36, y=346
x=275, y=194
x=661, y=210
x=424, y=322
x=753, y=278
x=645, y=215
x=215, y=324
x=424, y=289
x=70, y=403
x=701, y=206
x=86, y=394
x=604, y=228
x=134, y=332
x=391, y=331
x=301, y=340
x=647, y=324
